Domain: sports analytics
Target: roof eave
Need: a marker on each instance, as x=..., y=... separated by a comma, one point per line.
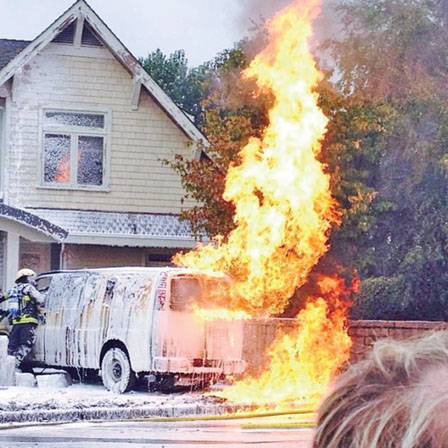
x=40, y=42
x=131, y=240
x=126, y=58
x=33, y=225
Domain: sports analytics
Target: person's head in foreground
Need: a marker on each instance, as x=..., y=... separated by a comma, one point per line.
x=396, y=398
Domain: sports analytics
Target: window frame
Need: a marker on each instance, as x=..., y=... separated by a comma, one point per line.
x=75, y=132
x=176, y=306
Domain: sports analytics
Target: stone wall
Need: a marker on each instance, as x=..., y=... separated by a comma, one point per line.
x=35, y=256
x=84, y=256
x=365, y=332
x=259, y=334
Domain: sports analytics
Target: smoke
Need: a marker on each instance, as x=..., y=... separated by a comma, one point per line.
x=257, y=11
x=327, y=26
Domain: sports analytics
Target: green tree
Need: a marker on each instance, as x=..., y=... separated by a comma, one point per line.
x=393, y=59
x=386, y=150
x=232, y=114
x=183, y=84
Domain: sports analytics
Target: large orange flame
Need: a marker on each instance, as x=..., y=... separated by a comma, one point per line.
x=284, y=209
x=302, y=362
x=284, y=212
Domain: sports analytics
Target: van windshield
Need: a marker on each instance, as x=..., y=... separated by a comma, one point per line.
x=218, y=291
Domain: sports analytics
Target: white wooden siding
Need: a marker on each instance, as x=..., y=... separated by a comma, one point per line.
x=140, y=139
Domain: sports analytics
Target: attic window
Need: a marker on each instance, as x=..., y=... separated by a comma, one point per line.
x=67, y=35
x=89, y=38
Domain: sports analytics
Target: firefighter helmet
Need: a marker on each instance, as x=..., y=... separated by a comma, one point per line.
x=25, y=273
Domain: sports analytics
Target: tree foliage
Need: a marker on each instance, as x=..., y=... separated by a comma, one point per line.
x=392, y=60
x=232, y=114
x=183, y=84
x=386, y=150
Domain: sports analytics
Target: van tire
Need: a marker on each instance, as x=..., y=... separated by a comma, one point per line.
x=116, y=371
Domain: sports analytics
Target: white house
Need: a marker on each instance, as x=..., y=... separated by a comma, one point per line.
x=83, y=132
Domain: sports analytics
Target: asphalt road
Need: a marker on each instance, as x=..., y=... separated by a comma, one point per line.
x=186, y=434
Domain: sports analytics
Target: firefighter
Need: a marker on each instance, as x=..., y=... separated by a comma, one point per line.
x=24, y=301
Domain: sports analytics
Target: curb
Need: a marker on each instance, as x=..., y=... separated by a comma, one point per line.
x=117, y=413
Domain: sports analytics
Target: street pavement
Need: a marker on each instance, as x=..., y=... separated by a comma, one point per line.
x=166, y=434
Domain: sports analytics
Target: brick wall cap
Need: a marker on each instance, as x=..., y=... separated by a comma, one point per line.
x=404, y=324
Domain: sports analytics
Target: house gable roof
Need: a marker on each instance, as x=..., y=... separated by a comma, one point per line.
x=9, y=49
x=81, y=10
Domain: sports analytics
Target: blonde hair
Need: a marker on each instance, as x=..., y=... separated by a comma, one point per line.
x=396, y=398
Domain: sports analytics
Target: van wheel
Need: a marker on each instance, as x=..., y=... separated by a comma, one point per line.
x=116, y=371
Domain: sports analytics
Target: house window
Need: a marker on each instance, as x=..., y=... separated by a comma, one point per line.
x=67, y=35
x=89, y=38
x=74, y=148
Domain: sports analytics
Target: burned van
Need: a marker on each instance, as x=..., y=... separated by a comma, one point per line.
x=128, y=322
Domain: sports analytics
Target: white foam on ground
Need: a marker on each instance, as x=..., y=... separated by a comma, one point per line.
x=54, y=380
x=83, y=396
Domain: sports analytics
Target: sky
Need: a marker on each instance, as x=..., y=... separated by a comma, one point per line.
x=201, y=27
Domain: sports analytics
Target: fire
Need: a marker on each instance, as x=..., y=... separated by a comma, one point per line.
x=284, y=209
x=211, y=314
x=303, y=362
x=284, y=213
x=63, y=170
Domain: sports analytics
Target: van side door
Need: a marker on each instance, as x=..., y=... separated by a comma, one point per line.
x=62, y=311
x=90, y=323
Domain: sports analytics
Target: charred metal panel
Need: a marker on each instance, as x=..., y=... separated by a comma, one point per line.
x=224, y=340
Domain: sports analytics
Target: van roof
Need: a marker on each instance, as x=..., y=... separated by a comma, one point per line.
x=137, y=269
